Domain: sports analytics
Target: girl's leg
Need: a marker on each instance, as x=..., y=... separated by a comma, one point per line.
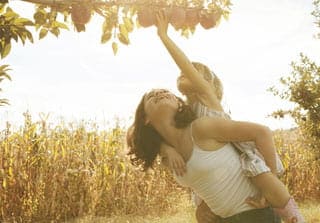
x=278, y=196
x=272, y=189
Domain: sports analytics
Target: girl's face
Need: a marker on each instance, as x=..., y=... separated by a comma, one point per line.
x=159, y=102
x=184, y=84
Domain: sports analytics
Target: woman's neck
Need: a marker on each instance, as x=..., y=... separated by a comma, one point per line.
x=171, y=134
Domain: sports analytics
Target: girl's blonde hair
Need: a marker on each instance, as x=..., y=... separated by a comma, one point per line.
x=211, y=77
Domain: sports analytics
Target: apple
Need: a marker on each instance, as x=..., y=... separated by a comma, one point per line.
x=192, y=17
x=80, y=14
x=177, y=18
x=209, y=20
x=146, y=17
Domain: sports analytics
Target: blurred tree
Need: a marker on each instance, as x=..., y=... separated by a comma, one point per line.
x=4, y=75
x=302, y=88
x=316, y=14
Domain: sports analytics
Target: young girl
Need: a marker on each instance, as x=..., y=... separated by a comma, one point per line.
x=204, y=93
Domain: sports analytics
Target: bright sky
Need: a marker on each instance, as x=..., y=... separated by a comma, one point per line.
x=77, y=78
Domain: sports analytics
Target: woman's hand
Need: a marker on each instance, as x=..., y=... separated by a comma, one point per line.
x=205, y=215
x=162, y=23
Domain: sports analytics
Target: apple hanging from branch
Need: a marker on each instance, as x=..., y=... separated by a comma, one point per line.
x=80, y=15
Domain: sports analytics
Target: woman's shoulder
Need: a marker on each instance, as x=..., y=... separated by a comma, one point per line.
x=202, y=124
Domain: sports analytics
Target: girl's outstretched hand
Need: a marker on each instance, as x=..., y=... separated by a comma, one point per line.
x=176, y=163
x=162, y=23
x=172, y=159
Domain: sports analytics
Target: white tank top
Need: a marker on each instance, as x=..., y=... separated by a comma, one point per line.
x=217, y=178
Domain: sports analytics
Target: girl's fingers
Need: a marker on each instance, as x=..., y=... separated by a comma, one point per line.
x=252, y=203
x=162, y=15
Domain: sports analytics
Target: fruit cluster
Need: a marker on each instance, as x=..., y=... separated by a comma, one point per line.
x=180, y=17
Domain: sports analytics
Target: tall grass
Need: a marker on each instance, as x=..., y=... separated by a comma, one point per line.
x=52, y=174
x=302, y=165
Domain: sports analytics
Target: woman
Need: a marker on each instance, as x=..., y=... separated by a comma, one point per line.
x=162, y=117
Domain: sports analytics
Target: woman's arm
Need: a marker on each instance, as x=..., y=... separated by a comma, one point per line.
x=236, y=131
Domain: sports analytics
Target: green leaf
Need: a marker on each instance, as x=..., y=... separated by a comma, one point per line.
x=115, y=48
x=43, y=33
x=60, y=25
x=4, y=102
x=3, y=71
x=2, y=6
x=23, y=21
x=128, y=24
x=6, y=76
x=106, y=37
x=4, y=67
x=29, y=36
x=10, y=15
x=123, y=39
x=14, y=36
x=22, y=37
x=37, y=26
x=6, y=50
x=185, y=33
x=55, y=31
x=123, y=30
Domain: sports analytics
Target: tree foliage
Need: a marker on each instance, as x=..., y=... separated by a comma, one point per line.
x=316, y=14
x=302, y=88
x=120, y=18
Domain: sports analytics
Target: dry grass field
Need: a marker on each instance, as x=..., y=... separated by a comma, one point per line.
x=67, y=172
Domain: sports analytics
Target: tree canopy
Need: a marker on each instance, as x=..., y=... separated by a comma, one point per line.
x=120, y=18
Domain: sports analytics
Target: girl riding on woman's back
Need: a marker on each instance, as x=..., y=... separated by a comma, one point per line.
x=203, y=90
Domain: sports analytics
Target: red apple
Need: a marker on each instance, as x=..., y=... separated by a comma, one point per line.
x=192, y=17
x=177, y=18
x=146, y=17
x=209, y=20
x=80, y=14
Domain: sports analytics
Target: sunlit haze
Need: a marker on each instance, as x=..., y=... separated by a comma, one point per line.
x=78, y=78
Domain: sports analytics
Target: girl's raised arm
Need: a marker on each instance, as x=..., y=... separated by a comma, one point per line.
x=179, y=57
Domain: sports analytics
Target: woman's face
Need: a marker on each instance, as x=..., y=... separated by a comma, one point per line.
x=159, y=102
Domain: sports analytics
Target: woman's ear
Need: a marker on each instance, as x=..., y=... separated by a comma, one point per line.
x=147, y=121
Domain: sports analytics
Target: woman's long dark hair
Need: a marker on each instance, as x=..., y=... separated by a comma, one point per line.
x=144, y=141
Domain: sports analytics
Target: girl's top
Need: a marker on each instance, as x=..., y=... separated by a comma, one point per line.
x=217, y=178
x=252, y=162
